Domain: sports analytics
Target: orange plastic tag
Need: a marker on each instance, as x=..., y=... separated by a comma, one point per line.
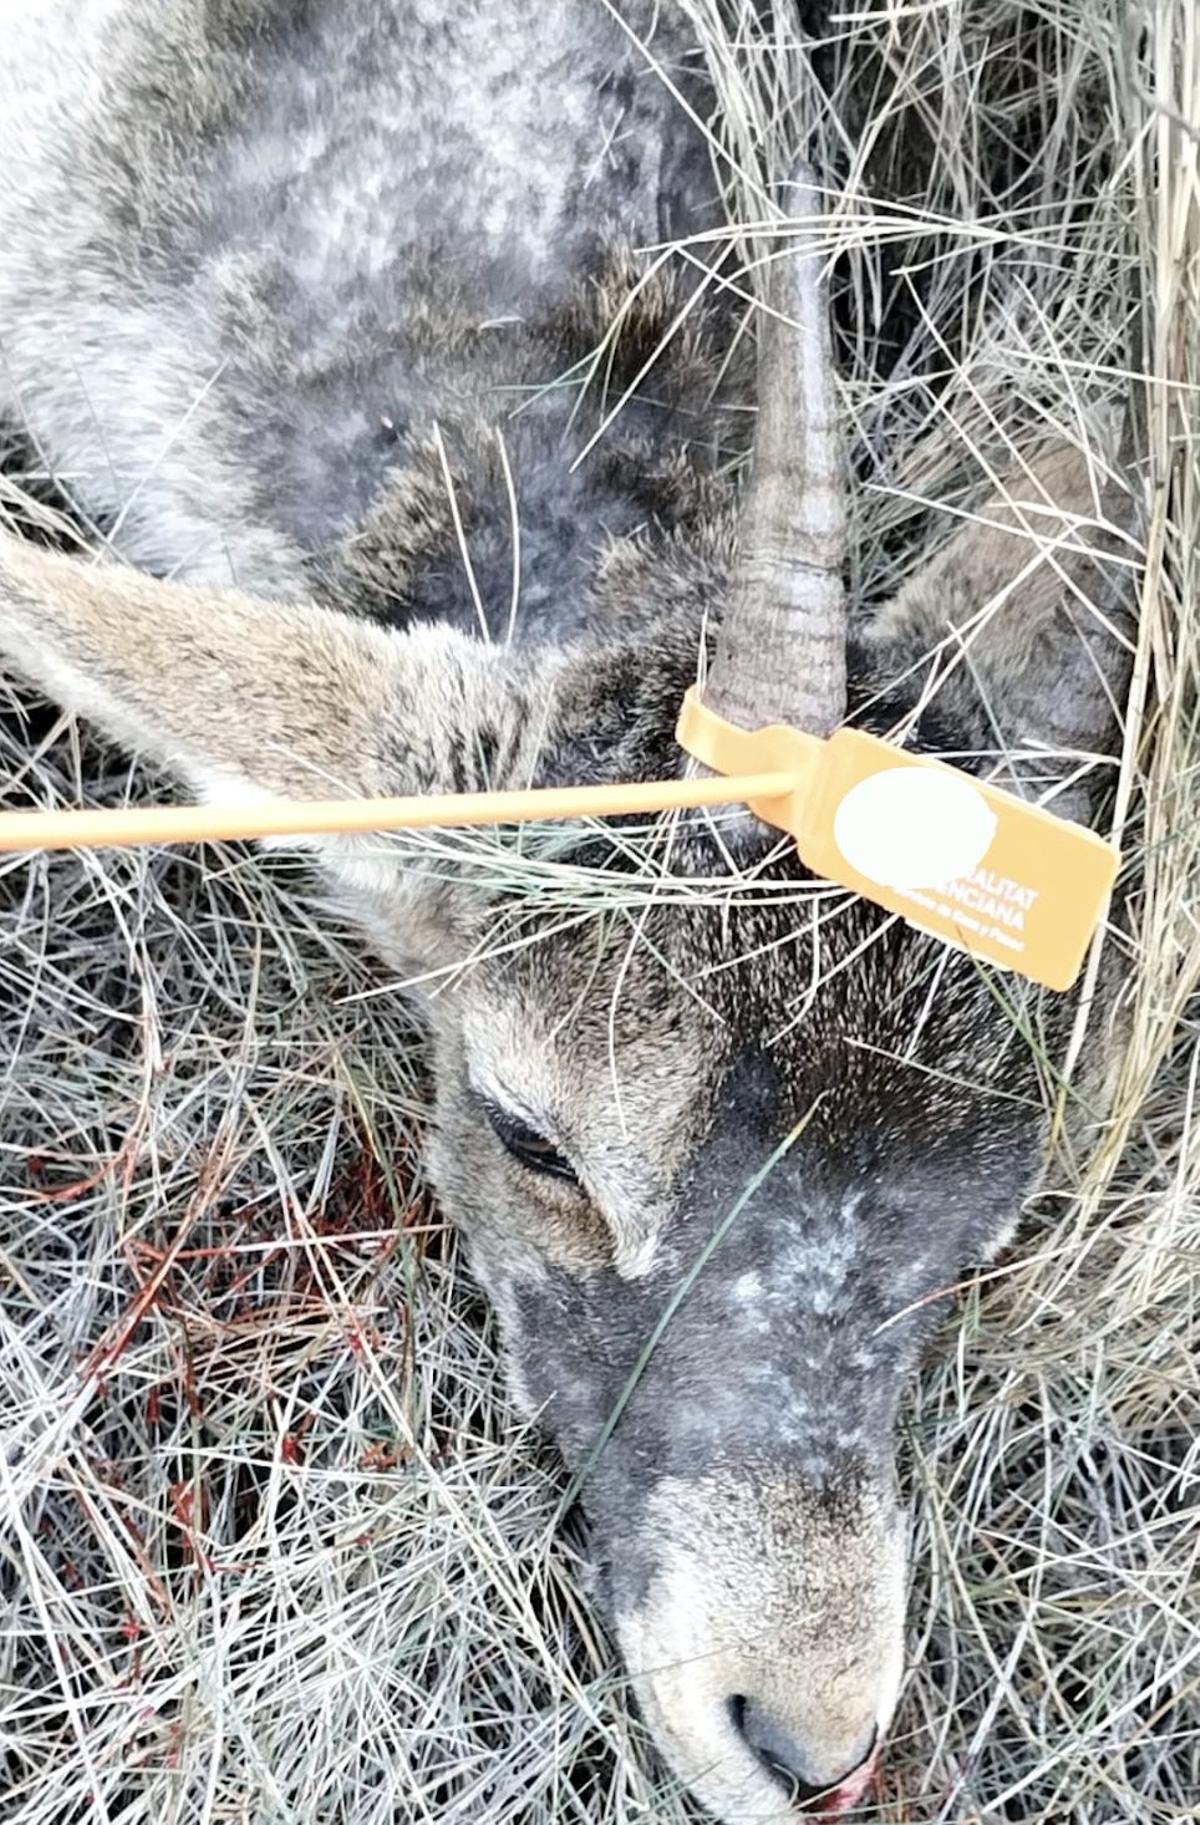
x=971, y=864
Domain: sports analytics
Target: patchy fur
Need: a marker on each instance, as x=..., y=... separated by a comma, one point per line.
x=301, y=299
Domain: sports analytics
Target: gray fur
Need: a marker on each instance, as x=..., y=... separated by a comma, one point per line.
x=269, y=274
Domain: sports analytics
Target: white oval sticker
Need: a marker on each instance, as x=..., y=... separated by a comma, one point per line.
x=909, y=827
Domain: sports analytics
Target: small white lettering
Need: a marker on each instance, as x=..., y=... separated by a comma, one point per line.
x=957, y=915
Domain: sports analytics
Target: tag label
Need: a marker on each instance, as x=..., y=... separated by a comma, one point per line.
x=972, y=864
x=969, y=863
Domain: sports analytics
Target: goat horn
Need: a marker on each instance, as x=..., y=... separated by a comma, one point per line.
x=781, y=653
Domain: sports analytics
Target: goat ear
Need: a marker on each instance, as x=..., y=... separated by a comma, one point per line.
x=269, y=699
x=1015, y=639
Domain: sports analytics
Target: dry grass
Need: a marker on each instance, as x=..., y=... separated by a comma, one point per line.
x=274, y=1547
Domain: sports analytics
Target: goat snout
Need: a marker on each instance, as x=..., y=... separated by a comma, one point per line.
x=766, y=1642
x=752, y=1761
x=809, y=1776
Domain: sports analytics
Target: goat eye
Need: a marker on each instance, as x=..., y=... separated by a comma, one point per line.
x=528, y=1146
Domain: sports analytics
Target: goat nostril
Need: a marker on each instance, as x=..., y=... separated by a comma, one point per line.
x=770, y=1743
x=783, y=1757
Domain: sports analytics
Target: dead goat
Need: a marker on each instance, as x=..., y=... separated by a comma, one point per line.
x=320, y=310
